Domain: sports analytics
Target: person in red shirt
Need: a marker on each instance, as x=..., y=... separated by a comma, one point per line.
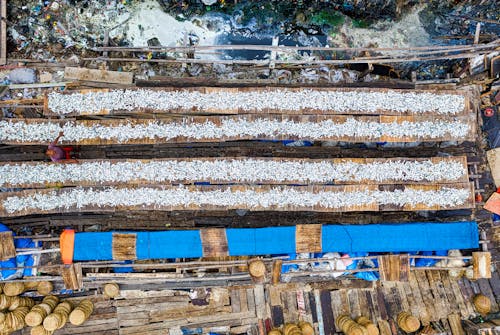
x=55, y=152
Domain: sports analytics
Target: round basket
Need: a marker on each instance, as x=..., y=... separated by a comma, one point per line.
x=44, y=287
x=306, y=327
x=13, y=289
x=482, y=304
x=257, y=268
x=112, y=290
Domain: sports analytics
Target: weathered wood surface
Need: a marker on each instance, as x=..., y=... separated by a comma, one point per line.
x=240, y=308
x=103, y=76
x=3, y=32
x=147, y=165
x=7, y=248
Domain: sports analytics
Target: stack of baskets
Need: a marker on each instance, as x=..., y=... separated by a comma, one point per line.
x=300, y=328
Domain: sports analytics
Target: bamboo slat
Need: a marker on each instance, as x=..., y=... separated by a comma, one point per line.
x=462, y=160
x=316, y=207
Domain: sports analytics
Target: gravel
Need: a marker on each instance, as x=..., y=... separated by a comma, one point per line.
x=275, y=198
x=249, y=171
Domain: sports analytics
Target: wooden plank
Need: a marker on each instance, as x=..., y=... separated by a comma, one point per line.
x=384, y=314
x=371, y=297
x=440, y=301
x=72, y=276
x=363, y=305
x=3, y=32
x=102, y=76
x=251, y=300
x=314, y=310
x=455, y=324
x=290, y=309
x=260, y=301
x=327, y=314
x=448, y=291
x=464, y=311
x=406, y=303
x=384, y=327
x=301, y=304
x=276, y=272
x=319, y=312
x=428, y=299
x=7, y=248
x=124, y=246
x=494, y=163
x=277, y=316
x=336, y=305
x=214, y=242
x=242, y=295
x=192, y=311
x=389, y=267
x=235, y=300
x=308, y=238
x=354, y=308
x=481, y=262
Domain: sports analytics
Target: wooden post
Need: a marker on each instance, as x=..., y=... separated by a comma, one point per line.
x=3, y=32
x=276, y=276
x=272, y=59
x=477, y=33
x=455, y=324
x=7, y=248
x=481, y=264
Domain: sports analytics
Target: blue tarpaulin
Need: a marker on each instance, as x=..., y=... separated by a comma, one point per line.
x=390, y=237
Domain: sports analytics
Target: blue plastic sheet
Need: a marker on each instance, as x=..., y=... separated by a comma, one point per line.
x=403, y=237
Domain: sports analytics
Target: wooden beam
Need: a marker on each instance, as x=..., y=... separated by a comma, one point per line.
x=7, y=248
x=72, y=276
x=3, y=32
x=481, y=262
x=103, y=76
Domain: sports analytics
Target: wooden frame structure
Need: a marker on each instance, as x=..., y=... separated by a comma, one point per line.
x=465, y=121
x=266, y=111
x=17, y=168
x=238, y=191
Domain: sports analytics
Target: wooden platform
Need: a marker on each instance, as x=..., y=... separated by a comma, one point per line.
x=151, y=171
x=253, y=309
x=219, y=128
x=242, y=197
x=221, y=91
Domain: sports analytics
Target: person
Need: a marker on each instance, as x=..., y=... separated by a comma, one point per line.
x=55, y=152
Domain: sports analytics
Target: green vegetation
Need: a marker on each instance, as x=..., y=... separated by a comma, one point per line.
x=331, y=18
